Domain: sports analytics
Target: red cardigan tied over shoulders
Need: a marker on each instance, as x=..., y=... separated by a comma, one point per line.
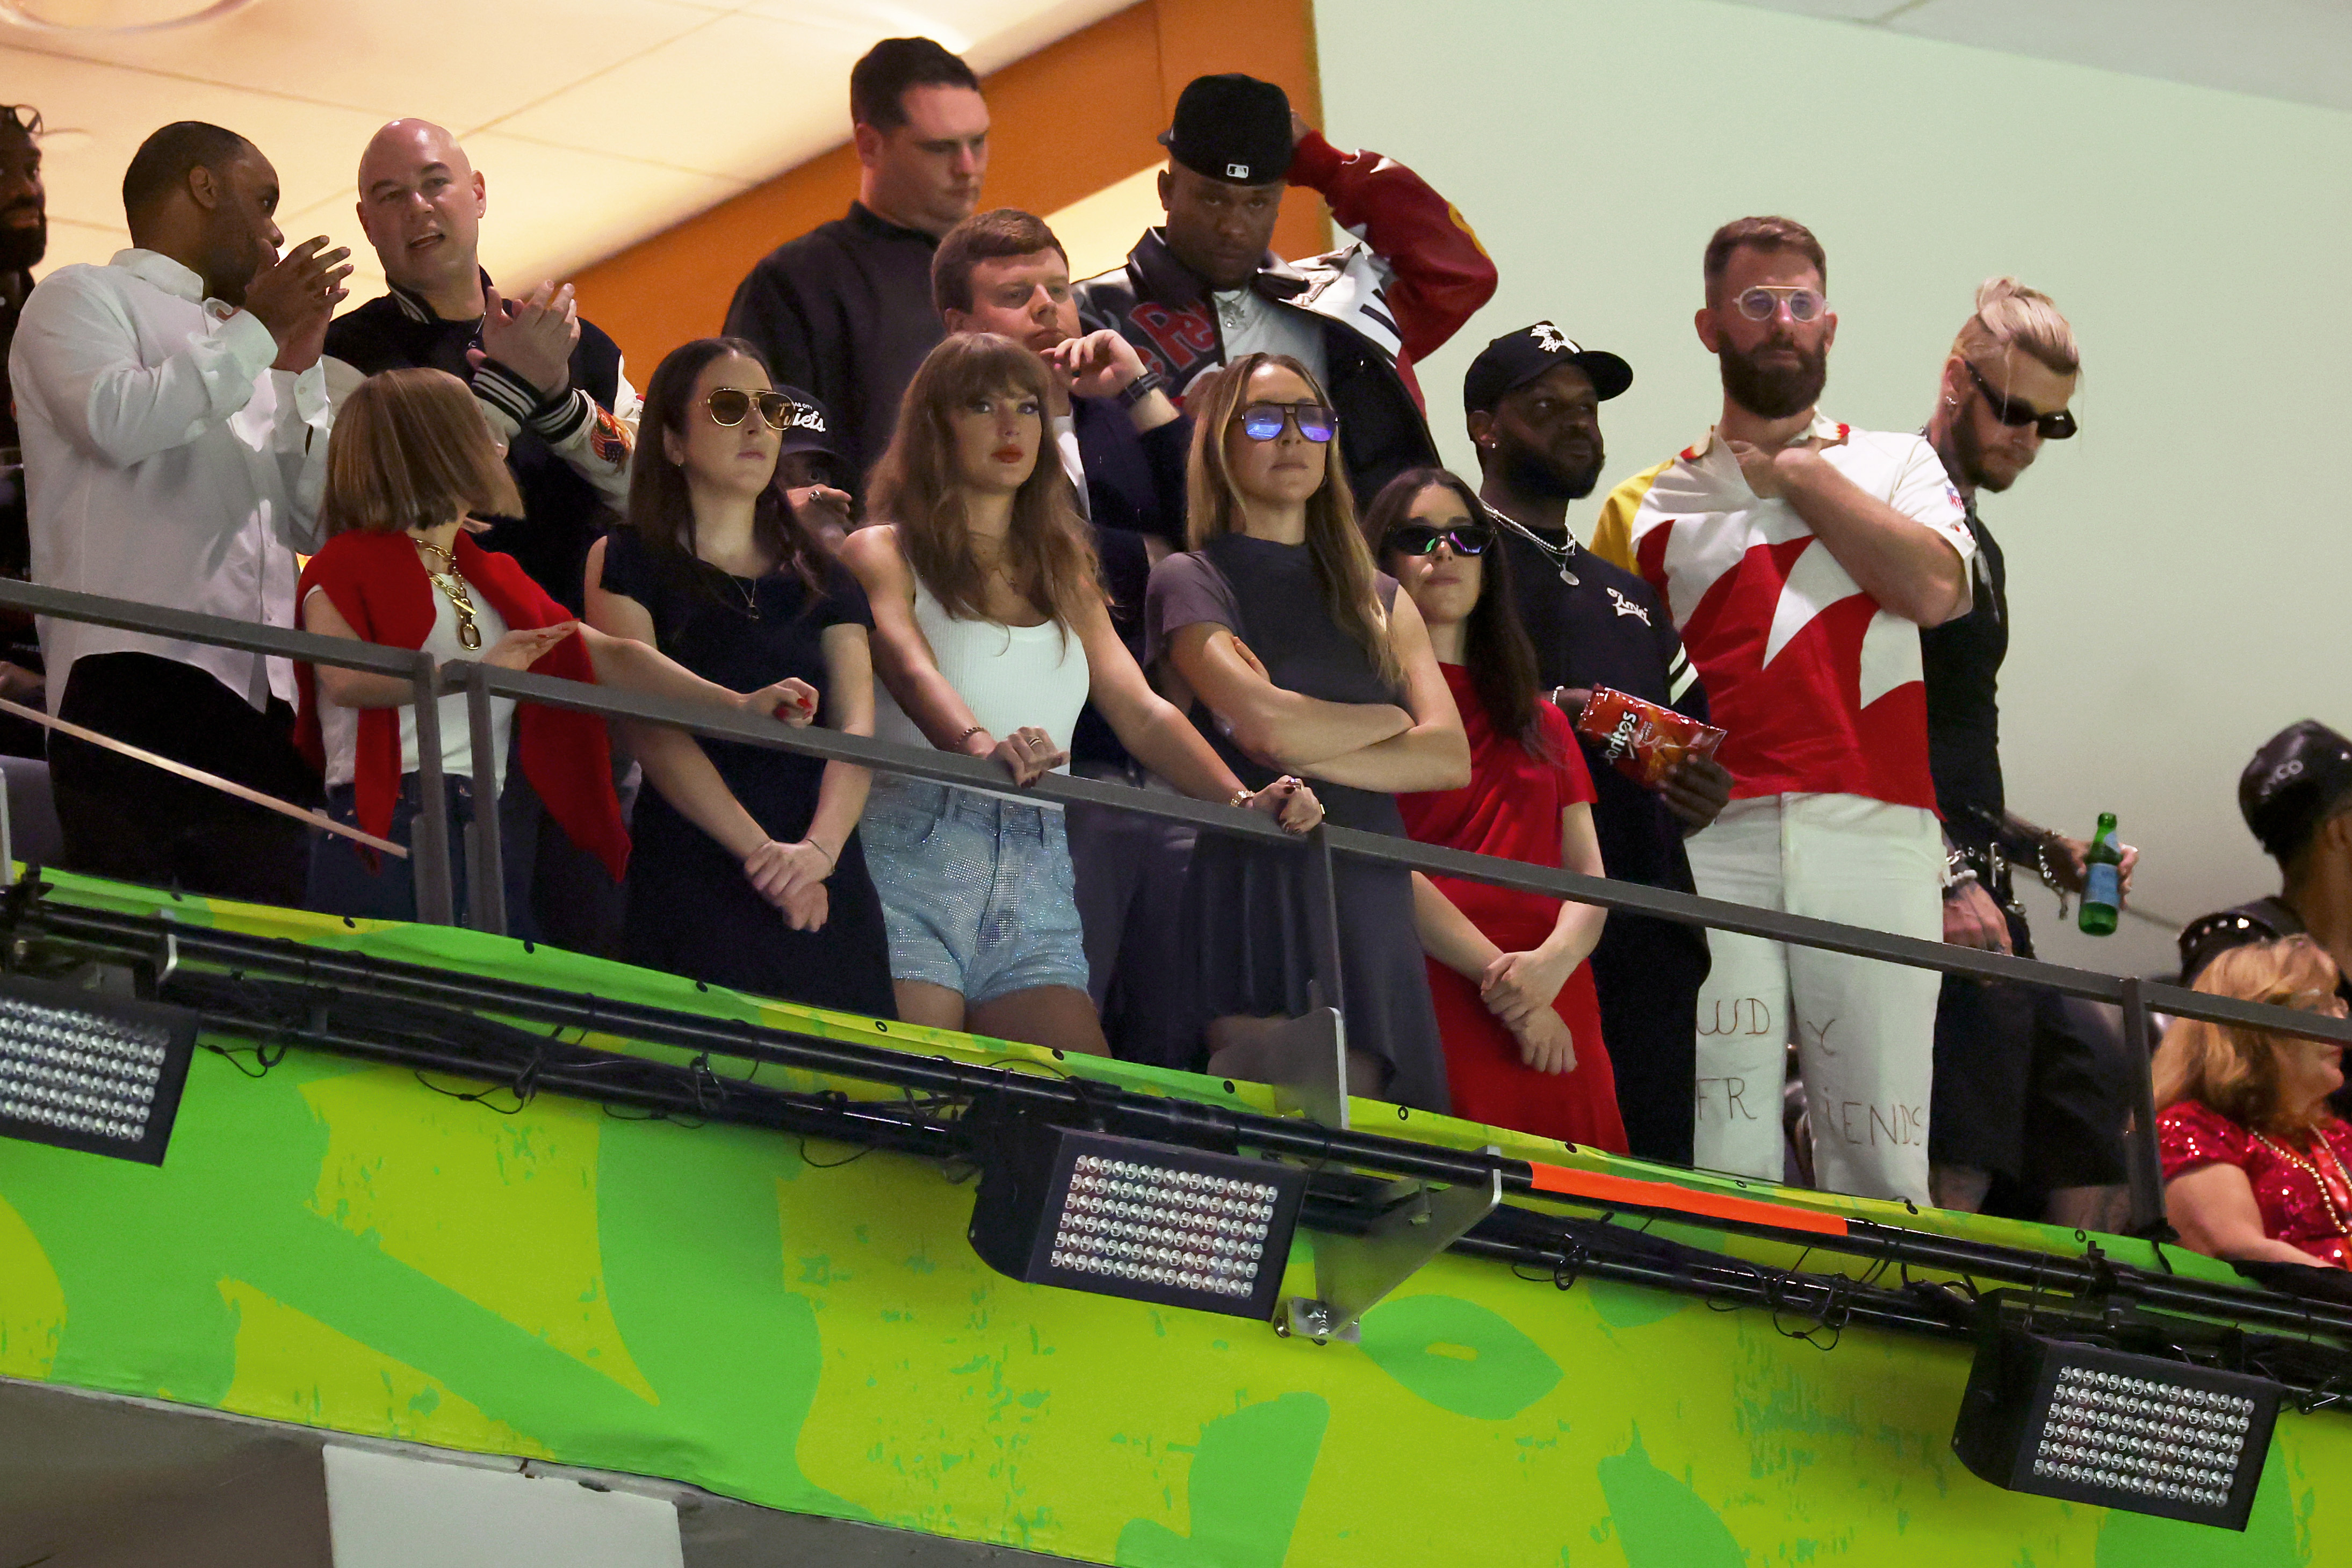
x=378, y=584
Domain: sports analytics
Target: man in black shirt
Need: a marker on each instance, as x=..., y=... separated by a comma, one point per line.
x=1533, y=402
x=2296, y=797
x=845, y=310
x=2026, y=1094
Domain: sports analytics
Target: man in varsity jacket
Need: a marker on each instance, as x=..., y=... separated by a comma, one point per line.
x=551, y=385
x=1202, y=288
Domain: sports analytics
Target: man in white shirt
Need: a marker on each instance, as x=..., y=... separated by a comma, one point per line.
x=174, y=425
x=1799, y=557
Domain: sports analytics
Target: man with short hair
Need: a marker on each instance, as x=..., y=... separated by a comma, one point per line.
x=1532, y=401
x=1124, y=446
x=1799, y=557
x=552, y=385
x=845, y=310
x=2295, y=796
x=2025, y=1096
x=175, y=418
x=1202, y=289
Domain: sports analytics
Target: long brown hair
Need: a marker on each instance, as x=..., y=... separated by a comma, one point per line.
x=661, y=507
x=410, y=450
x=2233, y=1069
x=1495, y=645
x=1048, y=551
x=1344, y=570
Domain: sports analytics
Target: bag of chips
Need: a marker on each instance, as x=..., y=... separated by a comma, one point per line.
x=1642, y=739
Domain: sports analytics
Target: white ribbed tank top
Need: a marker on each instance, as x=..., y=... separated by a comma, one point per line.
x=1008, y=675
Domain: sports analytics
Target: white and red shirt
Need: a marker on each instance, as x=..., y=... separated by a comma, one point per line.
x=1818, y=689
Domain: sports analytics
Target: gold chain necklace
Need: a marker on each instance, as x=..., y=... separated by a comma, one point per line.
x=2327, y=1193
x=453, y=588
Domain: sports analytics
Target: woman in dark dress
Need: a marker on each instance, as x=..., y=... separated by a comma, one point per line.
x=1294, y=655
x=747, y=871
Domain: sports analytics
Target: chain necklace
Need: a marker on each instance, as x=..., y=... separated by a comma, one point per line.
x=453, y=589
x=1559, y=555
x=2326, y=1193
x=751, y=595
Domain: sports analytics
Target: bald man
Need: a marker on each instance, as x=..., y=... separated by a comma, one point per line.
x=551, y=383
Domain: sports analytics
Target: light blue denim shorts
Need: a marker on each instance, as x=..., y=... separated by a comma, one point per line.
x=977, y=891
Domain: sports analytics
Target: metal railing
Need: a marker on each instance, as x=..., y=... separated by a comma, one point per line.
x=480, y=684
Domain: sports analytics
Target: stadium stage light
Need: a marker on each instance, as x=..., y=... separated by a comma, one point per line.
x=2141, y=1433
x=84, y=1070
x=1122, y=1217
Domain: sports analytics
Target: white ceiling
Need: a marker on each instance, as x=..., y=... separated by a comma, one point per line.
x=596, y=122
x=2300, y=50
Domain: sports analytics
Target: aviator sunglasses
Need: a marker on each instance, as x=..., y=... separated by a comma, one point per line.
x=1264, y=421
x=728, y=406
x=1420, y=539
x=2055, y=426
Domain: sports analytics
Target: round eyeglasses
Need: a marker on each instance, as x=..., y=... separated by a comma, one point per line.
x=1762, y=302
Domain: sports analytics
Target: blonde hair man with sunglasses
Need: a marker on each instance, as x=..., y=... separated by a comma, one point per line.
x=1799, y=557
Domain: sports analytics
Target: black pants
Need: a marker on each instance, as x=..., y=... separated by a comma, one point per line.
x=1648, y=973
x=126, y=820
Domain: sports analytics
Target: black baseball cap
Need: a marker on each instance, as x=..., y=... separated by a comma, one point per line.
x=811, y=429
x=1233, y=128
x=2298, y=778
x=1515, y=359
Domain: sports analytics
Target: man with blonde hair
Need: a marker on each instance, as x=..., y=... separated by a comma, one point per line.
x=2024, y=1107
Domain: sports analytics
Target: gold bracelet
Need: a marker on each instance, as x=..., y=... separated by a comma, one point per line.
x=1241, y=798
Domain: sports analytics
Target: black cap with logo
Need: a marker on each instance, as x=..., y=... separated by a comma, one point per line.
x=1515, y=359
x=810, y=428
x=1232, y=128
x=2297, y=779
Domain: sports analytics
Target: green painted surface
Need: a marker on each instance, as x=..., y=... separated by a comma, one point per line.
x=339, y=1245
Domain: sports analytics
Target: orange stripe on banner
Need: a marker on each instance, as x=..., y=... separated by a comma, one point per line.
x=1592, y=1184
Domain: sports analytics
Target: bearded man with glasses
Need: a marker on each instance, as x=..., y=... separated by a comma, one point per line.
x=1799, y=557
x=2028, y=1107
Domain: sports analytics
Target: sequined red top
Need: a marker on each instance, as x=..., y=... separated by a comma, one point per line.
x=2295, y=1207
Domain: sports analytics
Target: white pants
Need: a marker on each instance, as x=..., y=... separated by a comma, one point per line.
x=1866, y=1030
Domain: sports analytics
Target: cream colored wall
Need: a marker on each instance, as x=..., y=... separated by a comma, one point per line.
x=2178, y=570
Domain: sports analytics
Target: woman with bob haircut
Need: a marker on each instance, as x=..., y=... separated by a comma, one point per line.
x=2256, y=1166
x=1291, y=651
x=748, y=870
x=1508, y=970
x=991, y=632
x=410, y=466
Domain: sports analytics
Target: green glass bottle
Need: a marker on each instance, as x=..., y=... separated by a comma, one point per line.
x=2103, y=879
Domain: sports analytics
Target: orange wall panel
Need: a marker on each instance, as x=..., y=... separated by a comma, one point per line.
x=1077, y=116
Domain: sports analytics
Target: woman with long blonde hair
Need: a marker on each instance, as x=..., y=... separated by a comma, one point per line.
x=1278, y=633
x=990, y=633
x=2256, y=1165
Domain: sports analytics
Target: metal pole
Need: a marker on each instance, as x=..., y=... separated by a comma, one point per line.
x=1323, y=923
x=428, y=865
x=2141, y=1161
x=486, y=879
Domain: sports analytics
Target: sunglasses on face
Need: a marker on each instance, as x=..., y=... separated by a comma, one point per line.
x=2055, y=426
x=1420, y=539
x=1264, y=421
x=1763, y=301
x=728, y=405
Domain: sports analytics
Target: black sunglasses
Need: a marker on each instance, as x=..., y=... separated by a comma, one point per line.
x=2055, y=426
x=1420, y=539
x=727, y=406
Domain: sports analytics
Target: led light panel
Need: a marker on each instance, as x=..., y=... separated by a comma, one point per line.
x=1124, y=1218
x=87, y=1071
x=2098, y=1425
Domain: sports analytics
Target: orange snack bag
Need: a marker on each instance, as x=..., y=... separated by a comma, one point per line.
x=1642, y=739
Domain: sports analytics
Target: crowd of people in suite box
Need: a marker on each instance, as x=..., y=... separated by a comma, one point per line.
x=1181, y=525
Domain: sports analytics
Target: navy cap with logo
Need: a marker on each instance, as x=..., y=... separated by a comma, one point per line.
x=811, y=428
x=1515, y=359
x=1232, y=128
x=2296, y=781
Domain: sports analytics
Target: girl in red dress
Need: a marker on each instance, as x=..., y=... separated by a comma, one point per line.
x=1516, y=1006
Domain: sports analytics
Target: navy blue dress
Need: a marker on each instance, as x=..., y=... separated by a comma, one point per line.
x=691, y=910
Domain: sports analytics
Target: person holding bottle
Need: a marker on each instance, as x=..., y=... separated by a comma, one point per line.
x=747, y=871
x=991, y=632
x=410, y=467
x=1509, y=972
x=1279, y=634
